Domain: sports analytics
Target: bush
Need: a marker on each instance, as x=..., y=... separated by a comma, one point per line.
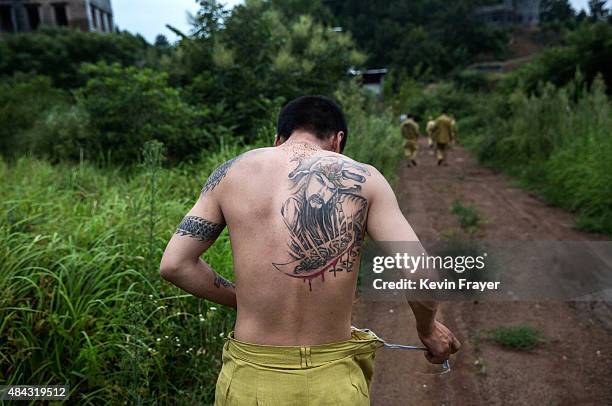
x=129, y=106
x=59, y=53
x=588, y=50
x=296, y=55
x=23, y=99
x=61, y=133
x=424, y=101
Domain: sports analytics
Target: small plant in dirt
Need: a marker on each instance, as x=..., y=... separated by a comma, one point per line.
x=469, y=219
x=519, y=337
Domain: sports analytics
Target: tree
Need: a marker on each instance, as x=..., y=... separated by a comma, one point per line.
x=435, y=36
x=59, y=53
x=161, y=42
x=209, y=19
x=243, y=67
x=598, y=10
x=129, y=106
x=557, y=11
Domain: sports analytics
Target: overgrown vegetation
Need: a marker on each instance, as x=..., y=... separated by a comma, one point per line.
x=211, y=86
x=425, y=39
x=82, y=301
x=557, y=142
x=548, y=123
x=85, y=213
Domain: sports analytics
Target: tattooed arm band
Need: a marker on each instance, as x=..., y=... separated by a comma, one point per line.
x=190, y=273
x=199, y=228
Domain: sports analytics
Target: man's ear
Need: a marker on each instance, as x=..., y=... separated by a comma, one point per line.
x=278, y=141
x=337, y=141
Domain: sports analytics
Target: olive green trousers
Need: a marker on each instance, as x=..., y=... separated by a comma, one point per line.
x=334, y=374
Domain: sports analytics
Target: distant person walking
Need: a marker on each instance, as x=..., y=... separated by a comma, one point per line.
x=410, y=132
x=444, y=133
x=430, y=126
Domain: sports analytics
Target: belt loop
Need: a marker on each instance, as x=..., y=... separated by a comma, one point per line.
x=305, y=357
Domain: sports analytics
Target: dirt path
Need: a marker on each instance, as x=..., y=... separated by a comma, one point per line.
x=573, y=367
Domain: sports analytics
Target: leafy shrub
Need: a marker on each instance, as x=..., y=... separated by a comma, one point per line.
x=59, y=53
x=129, y=106
x=296, y=55
x=23, y=100
x=588, y=50
x=60, y=133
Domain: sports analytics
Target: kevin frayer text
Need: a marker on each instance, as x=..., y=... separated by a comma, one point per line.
x=427, y=284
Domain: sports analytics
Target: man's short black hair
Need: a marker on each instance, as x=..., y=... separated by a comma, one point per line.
x=319, y=115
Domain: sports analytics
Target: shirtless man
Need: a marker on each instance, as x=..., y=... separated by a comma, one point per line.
x=297, y=214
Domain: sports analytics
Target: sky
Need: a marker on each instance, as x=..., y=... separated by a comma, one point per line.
x=149, y=17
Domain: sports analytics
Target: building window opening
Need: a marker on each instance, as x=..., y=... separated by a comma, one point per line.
x=103, y=21
x=6, y=19
x=61, y=16
x=33, y=12
x=105, y=25
x=94, y=17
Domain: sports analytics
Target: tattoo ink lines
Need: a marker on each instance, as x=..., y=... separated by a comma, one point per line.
x=215, y=178
x=204, y=231
x=199, y=228
x=221, y=281
x=299, y=151
x=325, y=216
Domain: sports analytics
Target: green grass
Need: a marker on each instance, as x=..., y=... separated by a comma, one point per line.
x=468, y=216
x=519, y=337
x=81, y=299
x=557, y=142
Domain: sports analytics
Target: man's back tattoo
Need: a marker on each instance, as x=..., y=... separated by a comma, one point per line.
x=325, y=216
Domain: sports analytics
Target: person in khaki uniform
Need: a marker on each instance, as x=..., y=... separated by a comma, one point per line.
x=444, y=133
x=410, y=132
x=430, y=125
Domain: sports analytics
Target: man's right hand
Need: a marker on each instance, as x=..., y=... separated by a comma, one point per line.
x=440, y=342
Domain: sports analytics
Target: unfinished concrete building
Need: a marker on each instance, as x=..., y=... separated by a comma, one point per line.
x=511, y=12
x=29, y=15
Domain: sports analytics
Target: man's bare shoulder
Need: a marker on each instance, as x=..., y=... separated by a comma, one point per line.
x=224, y=171
x=298, y=161
x=372, y=174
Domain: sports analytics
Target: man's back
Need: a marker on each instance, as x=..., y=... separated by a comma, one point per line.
x=296, y=216
x=410, y=130
x=443, y=129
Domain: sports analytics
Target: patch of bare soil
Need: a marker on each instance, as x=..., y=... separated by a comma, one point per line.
x=573, y=366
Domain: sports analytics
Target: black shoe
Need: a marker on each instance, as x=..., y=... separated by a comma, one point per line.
x=439, y=162
x=413, y=162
